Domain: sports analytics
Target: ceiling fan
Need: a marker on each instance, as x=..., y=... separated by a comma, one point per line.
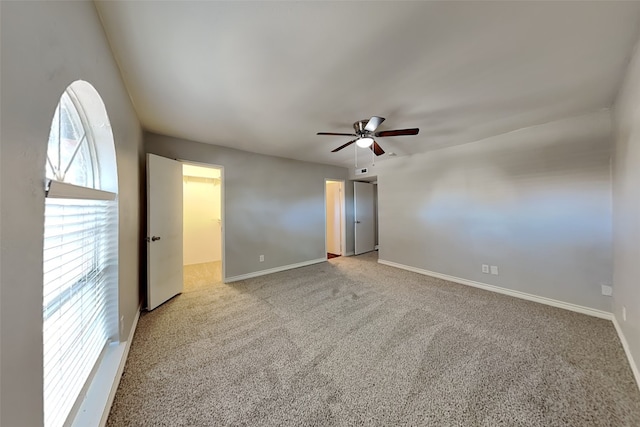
x=365, y=132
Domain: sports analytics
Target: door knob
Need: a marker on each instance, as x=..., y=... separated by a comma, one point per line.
x=154, y=238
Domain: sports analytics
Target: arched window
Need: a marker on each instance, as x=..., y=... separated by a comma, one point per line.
x=79, y=310
x=71, y=154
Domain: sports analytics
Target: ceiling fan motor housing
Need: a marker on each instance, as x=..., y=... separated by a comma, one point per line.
x=359, y=127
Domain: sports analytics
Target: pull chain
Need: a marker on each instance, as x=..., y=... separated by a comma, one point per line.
x=356, y=148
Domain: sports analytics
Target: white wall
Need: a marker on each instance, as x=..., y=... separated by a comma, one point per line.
x=535, y=202
x=272, y=206
x=626, y=196
x=45, y=46
x=201, y=218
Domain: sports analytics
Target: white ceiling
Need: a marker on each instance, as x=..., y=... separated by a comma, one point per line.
x=266, y=76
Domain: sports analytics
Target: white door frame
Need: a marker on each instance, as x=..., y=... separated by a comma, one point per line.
x=222, y=207
x=343, y=225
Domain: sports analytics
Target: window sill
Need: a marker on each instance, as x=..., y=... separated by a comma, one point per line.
x=96, y=404
x=94, y=409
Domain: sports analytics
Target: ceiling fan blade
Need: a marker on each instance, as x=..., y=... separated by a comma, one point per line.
x=343, y=146
x=376, y=149
x=373, y=123
x=398, y=132
x=338, y=134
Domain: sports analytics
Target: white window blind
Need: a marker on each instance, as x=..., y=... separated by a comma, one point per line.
x=79, y=297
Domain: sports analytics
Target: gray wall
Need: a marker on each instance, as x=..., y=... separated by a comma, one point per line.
x=535, y=202
x=626, y=196
x=272, y=206
x=45, y=47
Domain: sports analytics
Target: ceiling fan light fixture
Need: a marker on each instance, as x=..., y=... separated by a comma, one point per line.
x=364, y=142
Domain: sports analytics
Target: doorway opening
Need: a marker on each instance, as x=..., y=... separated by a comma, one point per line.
x=335, y=238
x=202, y=225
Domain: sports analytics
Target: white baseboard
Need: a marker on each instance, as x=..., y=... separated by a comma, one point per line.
x=625, y=345
x=273, y=270
x=97, y=402
x=522, y=295
x=349, y=253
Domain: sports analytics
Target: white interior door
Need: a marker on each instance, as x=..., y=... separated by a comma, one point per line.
x=164, y=229
x=363, y=207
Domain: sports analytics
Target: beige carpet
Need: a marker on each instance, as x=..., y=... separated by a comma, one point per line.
x=199, y=275
x=352, y=342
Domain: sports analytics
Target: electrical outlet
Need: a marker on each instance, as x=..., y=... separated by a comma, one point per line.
x=494, y=270
x=624, y=313
x=485, y=268
x=607, y=290
x=261, y=258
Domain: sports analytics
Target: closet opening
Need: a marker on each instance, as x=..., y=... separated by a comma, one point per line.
x=202, y=225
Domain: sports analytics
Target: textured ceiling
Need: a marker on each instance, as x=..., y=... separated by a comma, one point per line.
x=266, y=76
